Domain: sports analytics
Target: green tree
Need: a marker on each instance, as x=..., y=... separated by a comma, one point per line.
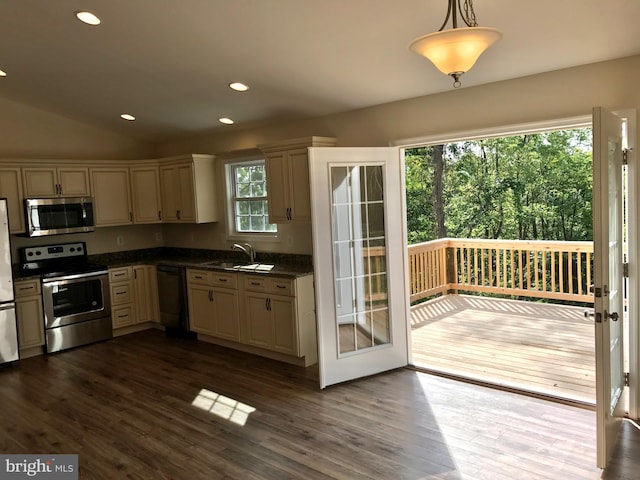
x=521, y=187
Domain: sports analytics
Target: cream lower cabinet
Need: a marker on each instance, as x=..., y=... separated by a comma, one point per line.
x=134, y=295
x=145, y=293
x=121, y=290
x=29, y=314
x=279, y=315
x=213, y=303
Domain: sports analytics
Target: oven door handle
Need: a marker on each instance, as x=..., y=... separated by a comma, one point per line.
x=75, y=278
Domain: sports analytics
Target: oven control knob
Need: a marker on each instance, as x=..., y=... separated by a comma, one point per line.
x=72, y=249
x=38, y=252
x=30, y=254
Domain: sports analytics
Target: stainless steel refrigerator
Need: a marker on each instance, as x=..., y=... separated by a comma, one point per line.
x=8, y=328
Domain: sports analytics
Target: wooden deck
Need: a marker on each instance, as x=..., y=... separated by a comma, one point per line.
x=543, y=348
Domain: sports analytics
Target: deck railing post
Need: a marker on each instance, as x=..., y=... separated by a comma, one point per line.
x=452, y=274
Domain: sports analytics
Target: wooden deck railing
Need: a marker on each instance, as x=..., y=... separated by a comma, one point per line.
x=539, y=269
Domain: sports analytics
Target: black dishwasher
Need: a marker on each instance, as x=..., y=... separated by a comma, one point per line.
x=174, y=310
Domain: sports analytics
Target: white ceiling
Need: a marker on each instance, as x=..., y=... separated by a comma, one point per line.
x=169, y=61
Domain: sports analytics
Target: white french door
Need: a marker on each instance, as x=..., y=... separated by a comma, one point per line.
x=359, y=251
x=608, y=278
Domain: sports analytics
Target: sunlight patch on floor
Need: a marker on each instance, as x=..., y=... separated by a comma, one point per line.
x=223, y=407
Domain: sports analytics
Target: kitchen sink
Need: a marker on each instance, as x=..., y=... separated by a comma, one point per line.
x=224, y=264
x=239, y=266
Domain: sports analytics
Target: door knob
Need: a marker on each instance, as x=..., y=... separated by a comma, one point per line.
x=613, y=315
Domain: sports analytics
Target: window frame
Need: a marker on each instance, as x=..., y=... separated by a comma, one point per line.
x=231, y=201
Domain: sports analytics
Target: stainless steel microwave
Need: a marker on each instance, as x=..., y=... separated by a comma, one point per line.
x=54, y=216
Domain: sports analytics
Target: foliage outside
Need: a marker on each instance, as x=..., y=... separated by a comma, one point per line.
x=526, y=187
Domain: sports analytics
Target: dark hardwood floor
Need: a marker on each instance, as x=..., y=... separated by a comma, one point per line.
x=145, y=406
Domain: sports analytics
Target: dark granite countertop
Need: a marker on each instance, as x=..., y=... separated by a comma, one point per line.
x=283, y=264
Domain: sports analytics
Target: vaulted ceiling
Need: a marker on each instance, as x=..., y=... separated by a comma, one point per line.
x=169, y=62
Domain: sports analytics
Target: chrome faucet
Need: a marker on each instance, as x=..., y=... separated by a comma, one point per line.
x=246, y=248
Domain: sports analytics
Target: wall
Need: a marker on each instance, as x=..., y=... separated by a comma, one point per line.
x=103, y=240
x=27, y=132
x=562, y=93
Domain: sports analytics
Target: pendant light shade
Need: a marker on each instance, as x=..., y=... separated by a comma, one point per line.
x=455, y=51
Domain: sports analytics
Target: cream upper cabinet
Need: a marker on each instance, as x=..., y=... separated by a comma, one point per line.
x=112, y=200
x=287, y=165
x=145, y=194
x=189, y=189
x=65, y=181
x=11, y=188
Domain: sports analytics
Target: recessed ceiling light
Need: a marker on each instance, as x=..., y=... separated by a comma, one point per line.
x=226, y=121
x=3, y=73
x=88, y=18
x=127, y=116
x=239, y=87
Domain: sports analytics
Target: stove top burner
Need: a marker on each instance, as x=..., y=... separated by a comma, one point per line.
x=57, y=260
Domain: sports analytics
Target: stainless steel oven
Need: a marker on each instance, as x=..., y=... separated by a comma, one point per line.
x=75, y=294
x=77, y=309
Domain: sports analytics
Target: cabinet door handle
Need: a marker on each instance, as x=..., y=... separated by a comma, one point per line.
x=159, y=215
x=269, y=304
x=131, y=216
x=178, y=214
x=211, y=295
x=266, y=304
x=222, y=279
x=255, y=283
x=198, y=277
x=135, y=274
x=281, y=286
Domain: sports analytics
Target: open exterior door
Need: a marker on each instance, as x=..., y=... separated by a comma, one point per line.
x=359, y=252
x=608, y=278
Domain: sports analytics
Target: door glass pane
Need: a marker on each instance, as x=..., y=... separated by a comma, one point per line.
x=359, y=258
x=615, y=274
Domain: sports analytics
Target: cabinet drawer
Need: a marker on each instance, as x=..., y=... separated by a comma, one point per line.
x=222, y=279
x=28, y=287
x=255, y=283
x=120, y=293
x=120, y=274
x=122, y=316
x=200, y=277
x=282, y=286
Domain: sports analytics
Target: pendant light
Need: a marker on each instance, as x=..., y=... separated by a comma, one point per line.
x=455, y=51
